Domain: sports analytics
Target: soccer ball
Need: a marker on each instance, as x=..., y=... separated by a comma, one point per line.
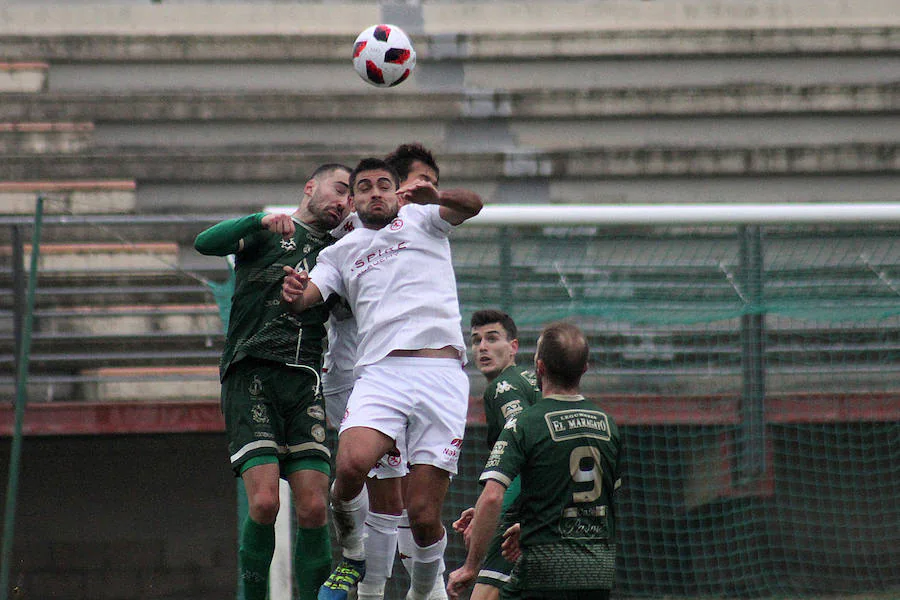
x=383, y=56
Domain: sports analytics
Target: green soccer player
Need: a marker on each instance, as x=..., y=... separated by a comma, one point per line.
x=567, y=452
x=271, y=397
x=510, y=389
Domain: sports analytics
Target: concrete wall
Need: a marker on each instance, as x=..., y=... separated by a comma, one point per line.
x=124, y=517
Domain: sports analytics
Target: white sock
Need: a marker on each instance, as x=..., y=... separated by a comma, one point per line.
x=439, y=591
x=427, y=563
x=349, y=519
x=405, y=542
x=381, y=545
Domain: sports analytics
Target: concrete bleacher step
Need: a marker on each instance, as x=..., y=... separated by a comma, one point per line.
x=130, y=319
x=118, y=384
x=66, y=353
x=283, y=163
x=94, y=259
x=480, y=30
x=39, y=138
x=68, y=197
x=23, y=76
x=204, y=106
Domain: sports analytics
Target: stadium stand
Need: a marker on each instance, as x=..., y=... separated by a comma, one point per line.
x=140, y=123
x=23, y=76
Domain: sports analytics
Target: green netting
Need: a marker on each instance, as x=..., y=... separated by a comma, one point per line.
x=754, y=377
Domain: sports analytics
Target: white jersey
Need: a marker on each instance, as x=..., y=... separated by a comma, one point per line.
x=400, y=284
x=337, y=370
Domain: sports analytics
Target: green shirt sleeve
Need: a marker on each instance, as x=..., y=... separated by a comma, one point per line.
x=224, y=238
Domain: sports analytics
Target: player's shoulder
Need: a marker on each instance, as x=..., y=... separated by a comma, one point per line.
x=350, y=223
x=425, y=216
x=513, y=380
x=344, y=243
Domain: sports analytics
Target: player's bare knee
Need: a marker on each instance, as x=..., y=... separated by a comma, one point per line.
x=425, y=521
x=263, y=506
x=352, y=469
x=312, y=511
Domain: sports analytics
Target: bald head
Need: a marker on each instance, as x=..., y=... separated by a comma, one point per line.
x=562, y=356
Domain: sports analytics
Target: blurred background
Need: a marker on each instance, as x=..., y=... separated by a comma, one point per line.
x=751, y=366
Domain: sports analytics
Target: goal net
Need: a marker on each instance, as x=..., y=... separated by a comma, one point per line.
x=750, y=355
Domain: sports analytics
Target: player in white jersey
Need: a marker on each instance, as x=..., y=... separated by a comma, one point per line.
x=397, y=275
x=387, y=525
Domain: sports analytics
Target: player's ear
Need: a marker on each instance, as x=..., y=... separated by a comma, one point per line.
x=310, y=187
x=351, y=205
x=515, y=345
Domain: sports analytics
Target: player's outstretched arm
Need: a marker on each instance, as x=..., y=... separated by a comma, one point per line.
x=482, y=528
x=228, y=236
x=457, y=205
x=298, y=291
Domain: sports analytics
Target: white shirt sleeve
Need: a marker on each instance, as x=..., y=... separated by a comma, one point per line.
x=433, y=222
x=327, y=276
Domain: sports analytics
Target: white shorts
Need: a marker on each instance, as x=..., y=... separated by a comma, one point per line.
x=336, y=405
x=391, y=465
x=426, y=397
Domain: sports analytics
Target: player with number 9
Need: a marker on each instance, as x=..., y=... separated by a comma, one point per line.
x=567, y=451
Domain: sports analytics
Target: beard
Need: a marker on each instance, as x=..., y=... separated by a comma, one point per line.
x=378, y=220
x=322, y=214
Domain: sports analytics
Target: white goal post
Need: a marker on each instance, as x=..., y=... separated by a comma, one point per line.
x=676, y=214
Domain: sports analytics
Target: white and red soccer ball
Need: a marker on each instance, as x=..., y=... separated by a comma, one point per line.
x=383, y=56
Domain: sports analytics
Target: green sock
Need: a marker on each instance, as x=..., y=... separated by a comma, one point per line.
x=312, y=560
x=255, y=556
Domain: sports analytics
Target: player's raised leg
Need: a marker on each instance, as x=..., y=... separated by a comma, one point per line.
x=358, y=450
x=257, y=543
x=427, y=488
x=312, y=550
x=385, y=506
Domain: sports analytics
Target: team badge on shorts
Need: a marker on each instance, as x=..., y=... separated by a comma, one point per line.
x=393, y=457
x=259, y=414
x=256, y=386
x=316, y=412
x=318, y=433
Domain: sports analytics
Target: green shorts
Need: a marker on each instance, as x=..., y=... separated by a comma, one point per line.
x=273, y=410
x=495, y=569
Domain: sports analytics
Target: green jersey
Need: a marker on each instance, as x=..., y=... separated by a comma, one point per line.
x=260, y=324
x=513, y=390
x=566, y=451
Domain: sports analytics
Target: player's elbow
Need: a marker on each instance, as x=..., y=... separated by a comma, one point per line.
x=206, y=245
x=201, y=246
x=492, y=496
x=474, y=204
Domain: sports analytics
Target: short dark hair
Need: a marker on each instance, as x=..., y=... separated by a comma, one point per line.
x=564, y=350
x=328, y=168
x=491, y=315
x=404, y=155
x=373, y=164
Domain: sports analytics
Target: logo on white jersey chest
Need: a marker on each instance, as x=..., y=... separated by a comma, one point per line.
x=374, y=256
